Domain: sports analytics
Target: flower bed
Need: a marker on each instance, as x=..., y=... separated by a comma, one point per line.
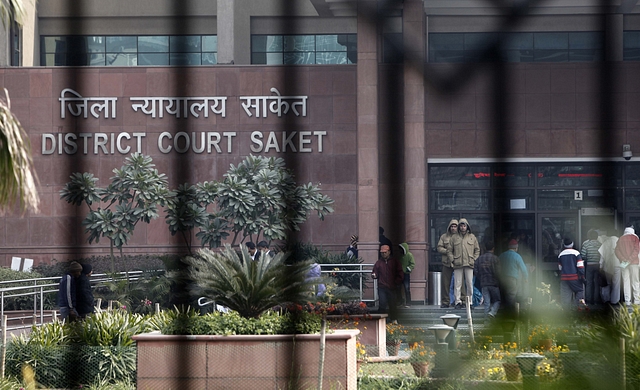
x=372, y=329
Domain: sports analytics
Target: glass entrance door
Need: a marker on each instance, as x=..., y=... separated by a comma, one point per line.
x=552, y=229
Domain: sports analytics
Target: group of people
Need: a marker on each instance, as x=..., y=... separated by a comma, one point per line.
x=501, y=277
x=258, y=251
x=75, y=297
x=393, y=275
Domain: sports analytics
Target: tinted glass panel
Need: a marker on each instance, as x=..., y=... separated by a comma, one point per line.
x=479, y=41
x=148, y=59
x=579, y=175
x=185, y=44
x=460, y=200
x=122, y=44
x=550, y=55
x=567, y=200
x=513, y=176
x=122, y=59
x=97, y=59
x=460, y=177
x=184, y=59
x=632, y=201
x=517, y=41
x=209, y=58
x=632, y=175
x=551, y=41
x=209, y=43
x=96, y=44
x=300, y=58
x=514, y=200
x=451, y=41
x=332, y=58
x=331, y=43
x=586, y=40
x=153, y=44
x=299, y=43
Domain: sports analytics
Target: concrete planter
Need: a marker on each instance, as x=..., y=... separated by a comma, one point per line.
x=276, y=362
x=372, y=327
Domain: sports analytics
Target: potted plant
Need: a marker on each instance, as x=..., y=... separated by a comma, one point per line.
x=395, y=332
x=508, y=353
x=542, y=336
x=420, y=358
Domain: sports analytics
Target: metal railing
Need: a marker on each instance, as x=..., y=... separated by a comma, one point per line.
x=41, y=286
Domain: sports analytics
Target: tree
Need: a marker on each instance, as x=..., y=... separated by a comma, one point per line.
x=134, y=194
x=246, y=286
x=259, y=197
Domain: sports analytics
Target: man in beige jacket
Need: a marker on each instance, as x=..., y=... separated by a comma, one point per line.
x=444, y=248
x=465, y=252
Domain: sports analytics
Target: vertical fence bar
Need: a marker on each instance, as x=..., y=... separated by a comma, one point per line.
x=41, y=305
x=3, y=356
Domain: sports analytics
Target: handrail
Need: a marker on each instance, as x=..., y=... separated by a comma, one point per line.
x=38, y=289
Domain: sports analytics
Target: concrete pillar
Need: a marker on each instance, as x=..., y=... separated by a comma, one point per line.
x=234, y=32
x=614, y=37
x=367, y=122
x=414, y=143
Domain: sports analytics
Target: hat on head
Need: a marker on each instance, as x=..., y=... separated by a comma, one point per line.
x=386, y=248
x=86, y=269
x=354, y=239
x=75, y=267
x=568, y=243
x=513, y=244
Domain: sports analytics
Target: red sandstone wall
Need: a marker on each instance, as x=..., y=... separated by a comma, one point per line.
x=56, y=231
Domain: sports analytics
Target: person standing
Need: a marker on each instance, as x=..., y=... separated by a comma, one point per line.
x=465, y=252
x=352, y=249
x=84, y=294
x=251, y=248
x=591, y=257
x=513, y=273
x=627, y=249
x=486, y=269
x=388, y=272
x=67, y=292
x=611, y=267
x=408, y=263
x=571, y=268
x=263, y=251
x=444, y=248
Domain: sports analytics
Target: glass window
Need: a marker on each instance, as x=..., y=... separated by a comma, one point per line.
x=632, y=175
x=551, y=41
x=185, y=59
x=122, y=44
x=479, y=41
x=209, y=43
x=300, y=58
x=593, y=175
x=332, y=58
x=121, y=59
x=153, y=44
x=460, y=176
x=392, y=48
x=449, y=41
x=460, y=200
x=514, y=200
x=299, y=43
x=517, y=41
x=550, y=55
x=567, y=200
x=331, y=43
x=632, y=200
x=586, y=40
x=631, y=39
x=513, y=176
x=185, y=44
x=209, y=58
x=150, y=59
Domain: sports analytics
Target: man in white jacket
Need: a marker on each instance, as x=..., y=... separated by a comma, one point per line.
x=611, y=267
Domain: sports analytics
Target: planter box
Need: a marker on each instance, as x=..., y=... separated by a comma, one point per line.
x=276, y=362
x=372, y=327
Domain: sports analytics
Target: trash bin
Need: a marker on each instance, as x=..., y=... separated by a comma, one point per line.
x=435, y=280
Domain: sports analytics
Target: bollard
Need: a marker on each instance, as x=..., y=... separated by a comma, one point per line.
x=441, y=348
x=528, y=362
x=451, y=320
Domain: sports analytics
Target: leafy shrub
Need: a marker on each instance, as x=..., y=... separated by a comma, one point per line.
x=102, y=264
x=188, y=321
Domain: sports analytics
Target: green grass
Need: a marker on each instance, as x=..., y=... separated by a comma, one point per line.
x=395, y=369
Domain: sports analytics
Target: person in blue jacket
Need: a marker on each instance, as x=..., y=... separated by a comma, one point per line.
x=67, y=292
x=84, y=294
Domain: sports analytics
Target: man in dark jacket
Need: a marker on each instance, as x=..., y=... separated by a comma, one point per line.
x=571, y=268
x=388, y=272
x=486, y=269
x=84, y=294
x=67, y=292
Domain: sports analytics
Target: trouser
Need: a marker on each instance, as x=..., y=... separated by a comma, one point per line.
x=631, y=281
x=445, y=282
x=491, y=296
x=387, y=302
x=613, y=285
x=406, y=290
x=592, y=294
x=459, y=273
x=510, y=286
x=568, y=288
